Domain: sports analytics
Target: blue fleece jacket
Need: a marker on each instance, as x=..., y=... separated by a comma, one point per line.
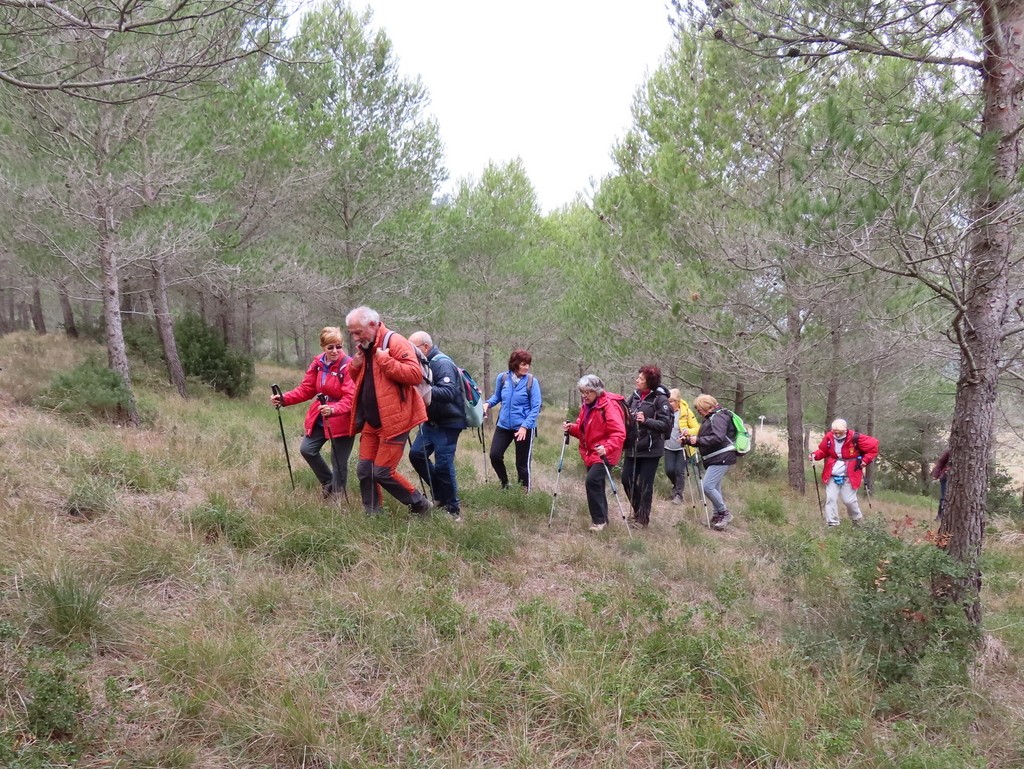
x=519, y=408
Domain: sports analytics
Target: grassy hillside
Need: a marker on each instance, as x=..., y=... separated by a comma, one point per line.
x=166, y=600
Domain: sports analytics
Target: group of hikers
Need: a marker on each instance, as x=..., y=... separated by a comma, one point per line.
x=392, y=385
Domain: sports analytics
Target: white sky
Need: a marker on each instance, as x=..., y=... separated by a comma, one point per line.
x=550, y=81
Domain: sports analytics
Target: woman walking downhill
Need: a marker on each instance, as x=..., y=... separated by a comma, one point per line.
x=328, y=421
x=601, y=431
x=717, y=452
x=676, y=454
x=518, y=393
x=650, y=421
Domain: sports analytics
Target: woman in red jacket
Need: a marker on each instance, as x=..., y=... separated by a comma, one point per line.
x=601, y=431
x=328, y=421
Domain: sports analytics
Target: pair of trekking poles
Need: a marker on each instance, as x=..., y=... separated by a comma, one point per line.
x=275, y=390
x=611, y=482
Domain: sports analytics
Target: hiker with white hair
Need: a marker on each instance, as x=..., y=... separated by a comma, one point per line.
x=846, y=453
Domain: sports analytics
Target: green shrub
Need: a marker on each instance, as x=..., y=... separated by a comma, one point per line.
x=1003, y=497
x=308, y=547
x=91, y=392
x=761, y=463
x=767, y=509
x=56, y=699
x=203, y=354
x=893, y=614
x=143, y=343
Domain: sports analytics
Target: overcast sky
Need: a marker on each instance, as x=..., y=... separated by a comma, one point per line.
x=550, y=81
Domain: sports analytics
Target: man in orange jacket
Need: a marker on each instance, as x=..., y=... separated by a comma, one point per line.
x=385, y=371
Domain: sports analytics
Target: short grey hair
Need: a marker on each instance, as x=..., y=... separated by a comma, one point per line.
x=591, y=382
x=840, y=424
x=363, y=315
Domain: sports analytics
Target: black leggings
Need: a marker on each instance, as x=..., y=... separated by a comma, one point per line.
x=638, y=475
x=524, y=453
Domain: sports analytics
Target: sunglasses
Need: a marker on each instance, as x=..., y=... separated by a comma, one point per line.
x=334, y=347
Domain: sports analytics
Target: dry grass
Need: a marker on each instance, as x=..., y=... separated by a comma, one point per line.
x=424, y=644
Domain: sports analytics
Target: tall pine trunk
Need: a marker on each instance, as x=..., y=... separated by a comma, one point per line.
x=38, y=321
x=66, y=310
x=980, y=327
x=794, y=402
x=165, y=328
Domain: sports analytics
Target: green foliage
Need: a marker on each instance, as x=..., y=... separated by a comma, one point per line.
x=894, y=615
x=762, y=463
x=68, y=606
x=203, y=354
x=322, y=546
x=1003, y=496
x=766, y=509
x=91, y=497
x=134, y=471
x=89, y=393
x=143, y=343
x=219, y=518
x=57, y=699
x=485, y=539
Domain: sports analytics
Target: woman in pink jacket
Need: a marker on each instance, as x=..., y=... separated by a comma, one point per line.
x=330, y=420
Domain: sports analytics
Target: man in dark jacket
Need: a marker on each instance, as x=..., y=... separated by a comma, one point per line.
x=446, y=419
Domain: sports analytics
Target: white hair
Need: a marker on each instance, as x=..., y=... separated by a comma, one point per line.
x=363, y=315
x=591, y=383
x=839, y=424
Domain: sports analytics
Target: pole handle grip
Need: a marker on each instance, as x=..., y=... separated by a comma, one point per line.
x=275, y=390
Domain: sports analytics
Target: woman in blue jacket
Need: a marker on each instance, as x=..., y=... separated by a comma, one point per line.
x=518, y=393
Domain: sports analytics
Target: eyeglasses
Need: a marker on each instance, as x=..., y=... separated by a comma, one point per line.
x=334, y=347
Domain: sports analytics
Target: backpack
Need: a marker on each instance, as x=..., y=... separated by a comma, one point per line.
x=473, y=398
x=426, y=383
x=742, y=441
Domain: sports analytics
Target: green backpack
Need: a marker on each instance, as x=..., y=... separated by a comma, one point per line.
x=742, y=441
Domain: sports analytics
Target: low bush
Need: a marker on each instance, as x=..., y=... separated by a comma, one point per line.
x=204, y=355
x=89, y=393
x=56, y=698
x=761, y=463
x=766, y=509
x=893, y=614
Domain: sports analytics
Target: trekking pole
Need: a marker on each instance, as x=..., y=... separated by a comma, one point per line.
x=275, y=390
x=615, y=493
x=817, y=491
x=703, y=496
x=322, y=398
x=430, y=483
x=691, y=479
x=483, y=445
x=558, y=477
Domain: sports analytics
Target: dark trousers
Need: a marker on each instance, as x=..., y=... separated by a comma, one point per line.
x=341, y=448
x=675, y=469
x=597, y=502
x=524, y=453
x=439, y=473
x=638, y=475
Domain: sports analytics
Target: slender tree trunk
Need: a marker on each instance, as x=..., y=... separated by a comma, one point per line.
x=248, y=337
x=832, y=395
x=25, y=315
x=298, y=347
x=740, y=398
x=980, y=329
x=66, y=311
x=794, y=403
x=165, y=328
x=869, y=422
x=705, y=381
x=117, y=357
x=38, y=321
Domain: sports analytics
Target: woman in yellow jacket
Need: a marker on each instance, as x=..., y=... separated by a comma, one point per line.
x=676, y=455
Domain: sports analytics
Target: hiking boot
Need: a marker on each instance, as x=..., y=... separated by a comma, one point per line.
x=721, y=520
x=833, y=523
x=420, y=507
x=326, y=491
x=597, y=526
x=857, y=521
x=633, y=523
x=677, y=499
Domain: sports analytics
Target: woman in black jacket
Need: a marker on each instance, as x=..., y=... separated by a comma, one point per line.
x=649, y=422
